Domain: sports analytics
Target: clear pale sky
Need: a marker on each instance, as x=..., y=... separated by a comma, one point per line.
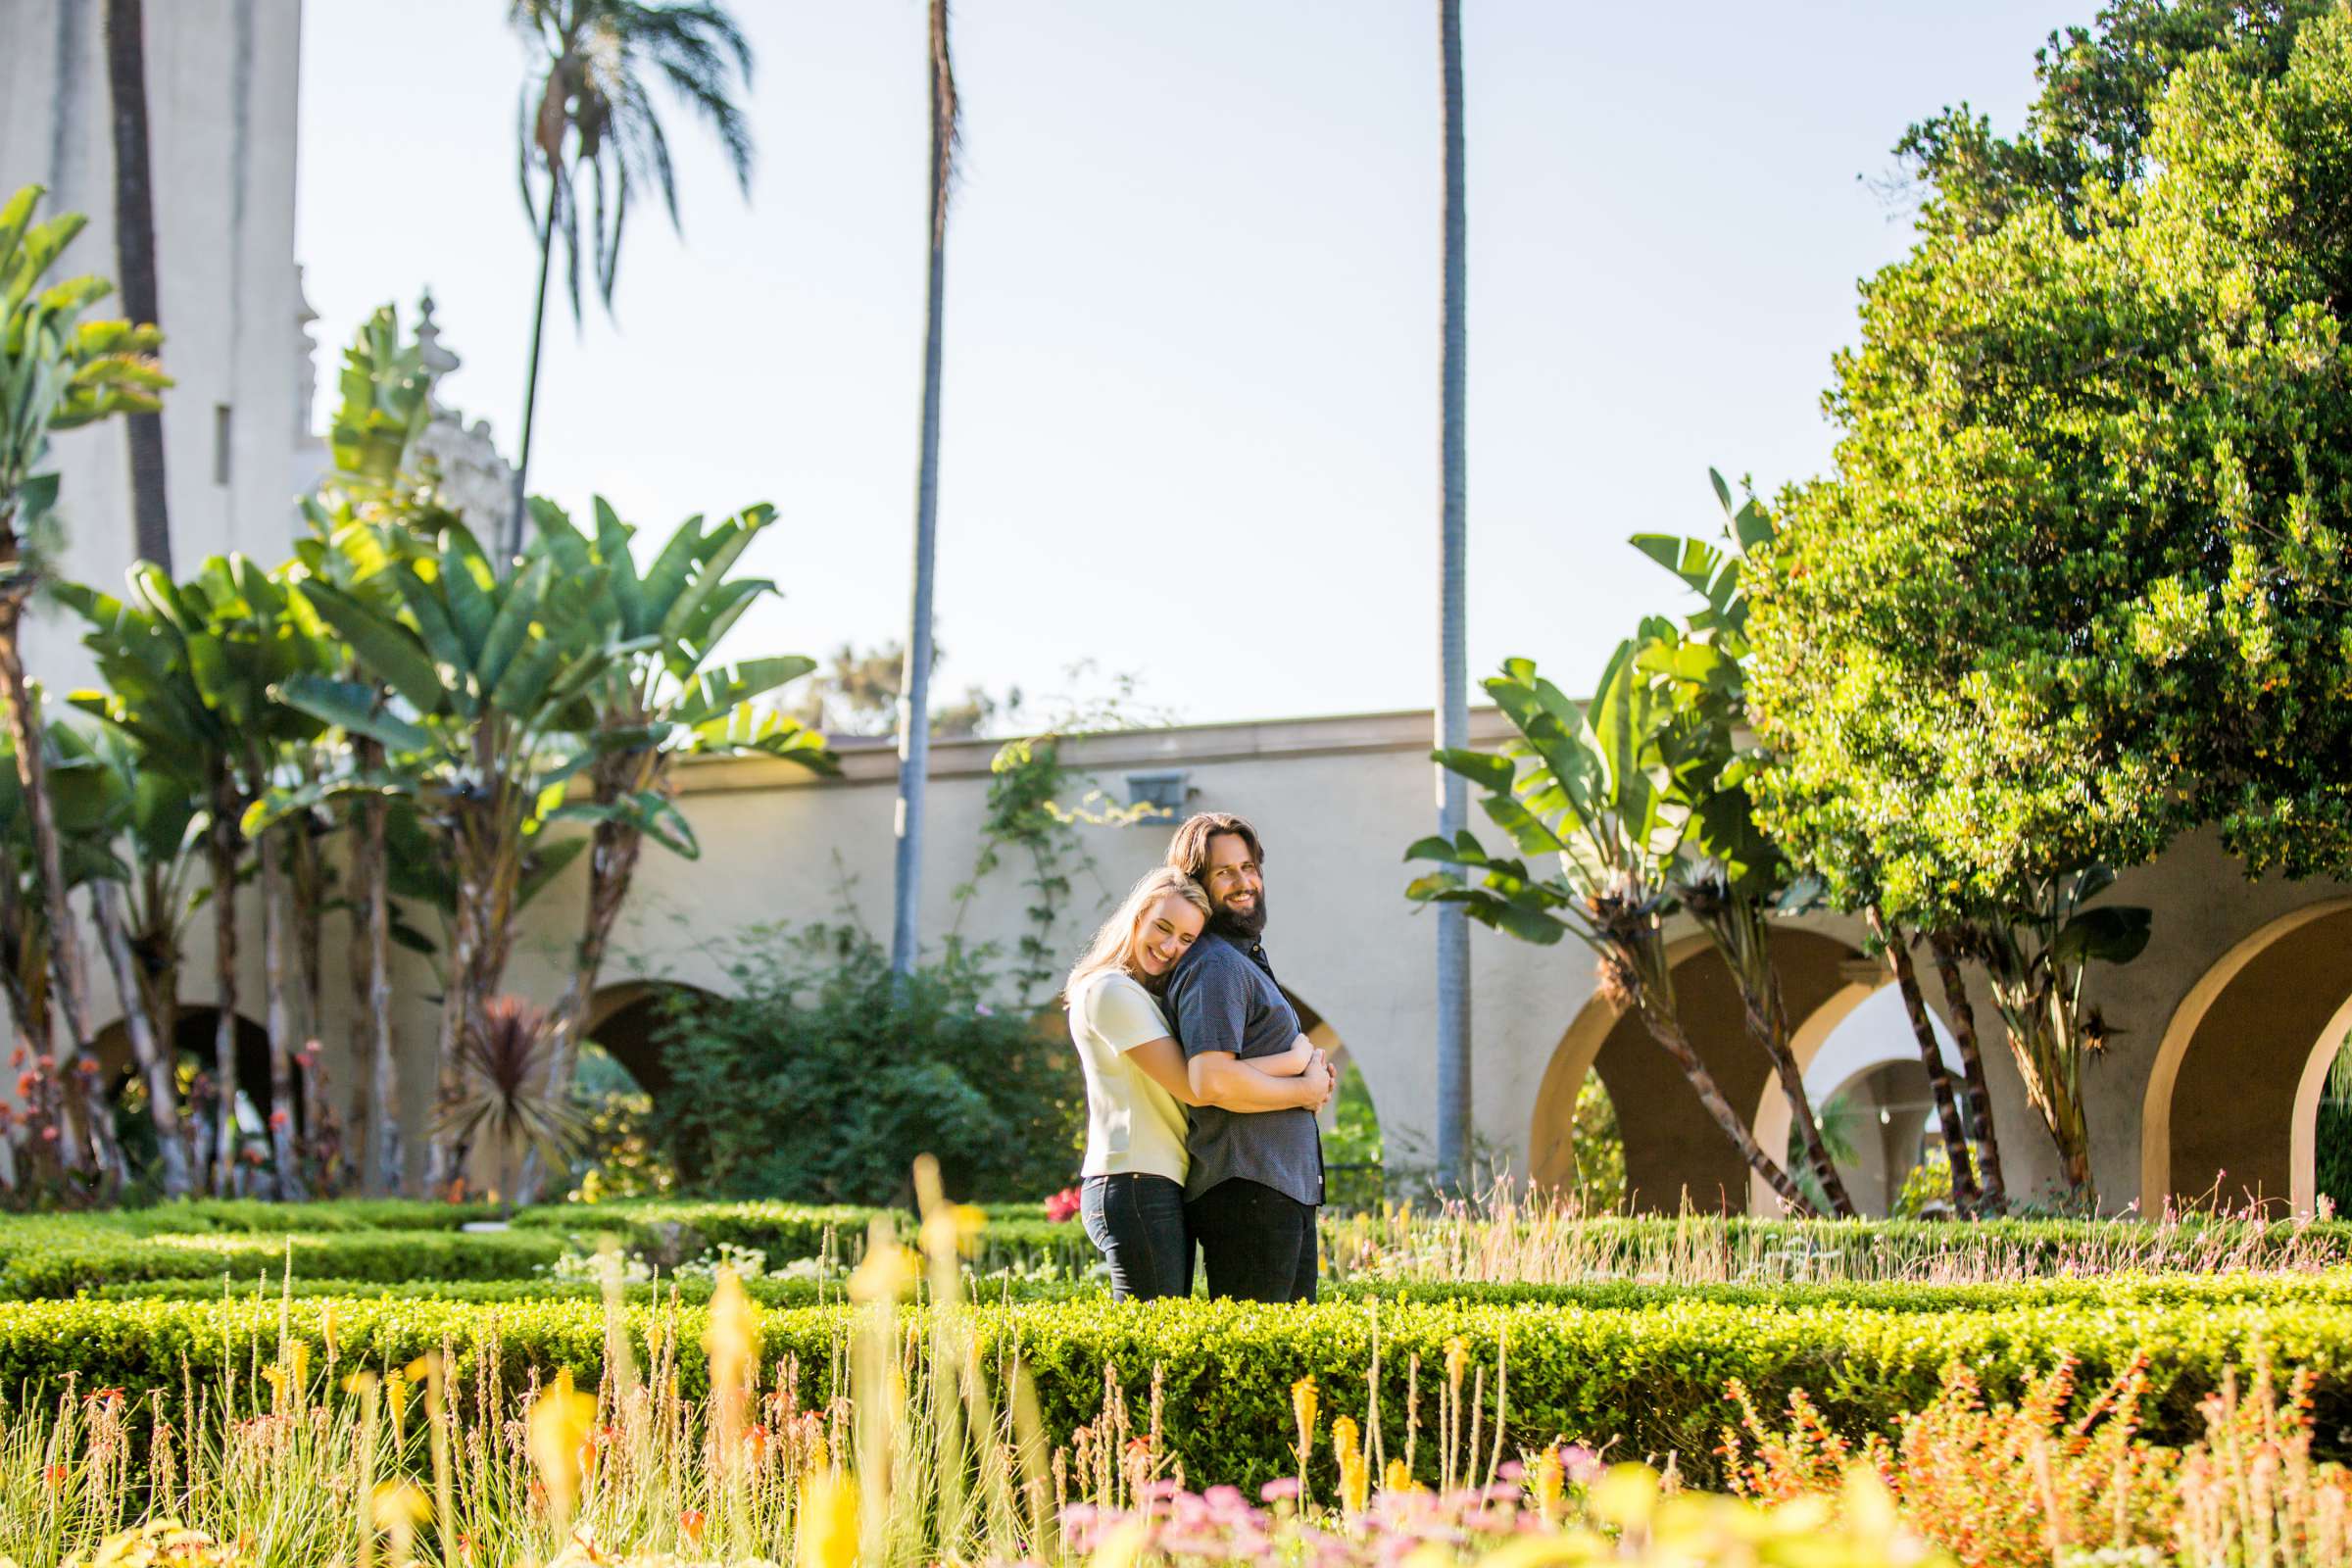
x=1190, y=427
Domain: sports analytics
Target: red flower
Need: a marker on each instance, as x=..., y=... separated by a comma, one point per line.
x=278, y=1119
x=1062, y=1205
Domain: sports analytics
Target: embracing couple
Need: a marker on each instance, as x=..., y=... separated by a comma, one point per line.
x=1200, y=1091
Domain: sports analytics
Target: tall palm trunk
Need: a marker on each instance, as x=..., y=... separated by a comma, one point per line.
x=1453, y=698
x=1993, y=1189
x=915, y=685
x=1667, y=1031
x=91, y=1148
x=152, y=1056
x=384, y=1171
x=135, y=257
x=284, y=1148
x=1965, y=1195
x=512, y=535
x=222, y=847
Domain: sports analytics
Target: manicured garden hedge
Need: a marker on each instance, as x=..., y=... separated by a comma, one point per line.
x=1649, y=1378
x=2123, y=1289
x=41, y=1258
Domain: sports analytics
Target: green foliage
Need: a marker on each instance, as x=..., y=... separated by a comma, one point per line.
x=58, y=372
x=2087, y=130
x=1651, y=1378
x=1600, y=1183
x=57, y=1259
x=2081, y=581
x=821, y=1078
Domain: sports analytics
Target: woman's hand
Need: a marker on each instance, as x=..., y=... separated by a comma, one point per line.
x=1291, y=1063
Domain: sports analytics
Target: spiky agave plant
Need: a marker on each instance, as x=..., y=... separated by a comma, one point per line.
x=504, y=1094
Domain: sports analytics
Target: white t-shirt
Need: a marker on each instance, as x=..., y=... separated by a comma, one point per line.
x=1132, y=1124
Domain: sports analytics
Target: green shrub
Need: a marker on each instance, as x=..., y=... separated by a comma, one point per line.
x=58, y=1259
x=823, y=1077
x=1649, y=1378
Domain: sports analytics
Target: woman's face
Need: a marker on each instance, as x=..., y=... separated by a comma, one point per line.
x=1168, y=928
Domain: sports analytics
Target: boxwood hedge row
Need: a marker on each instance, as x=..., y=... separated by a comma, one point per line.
x=1649, y=1378
x=2133, y=1290
x=44, y=1259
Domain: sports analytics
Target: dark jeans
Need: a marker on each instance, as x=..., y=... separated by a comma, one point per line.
x=1258, y=1245
x=1137, y=1221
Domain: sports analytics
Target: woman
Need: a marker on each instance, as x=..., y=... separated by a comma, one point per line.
x=1137, y=1088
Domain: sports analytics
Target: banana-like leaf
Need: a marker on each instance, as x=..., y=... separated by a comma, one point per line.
x=2109, y=934
x=721, y=691
x=383, y=647
x=356, y=708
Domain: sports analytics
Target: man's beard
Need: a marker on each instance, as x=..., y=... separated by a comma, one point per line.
x=1231, y=922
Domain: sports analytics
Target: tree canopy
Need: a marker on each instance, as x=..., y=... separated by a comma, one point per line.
x=2081, y=578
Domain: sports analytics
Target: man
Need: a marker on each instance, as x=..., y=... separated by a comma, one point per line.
x=1256, y=1172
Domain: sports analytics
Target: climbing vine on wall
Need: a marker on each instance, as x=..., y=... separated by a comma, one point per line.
x=1027, y=820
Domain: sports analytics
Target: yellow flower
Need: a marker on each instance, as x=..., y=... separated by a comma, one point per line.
x=1400, y=1477
x=1123, y=1545
x=424, y=1368
x=559, y=1423
x=397, y=1504
x=732, y=1341
x=326, y=1325
x=1457, y=1359
x=1550, y=1483
x=825, y=1536
x=886, y=1275
x=396, y=1394
x=298, y=1362
x=1356, y=1471
x=1304, y=1401
x=955, y=1227
x=1626, y=1495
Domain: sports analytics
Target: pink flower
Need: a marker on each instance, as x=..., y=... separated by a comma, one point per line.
x=1062, y=1205
x=1283, y=1490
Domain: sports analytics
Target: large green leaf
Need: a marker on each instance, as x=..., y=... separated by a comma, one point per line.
x=356, y=709
x=383, y=646
x=719, y=691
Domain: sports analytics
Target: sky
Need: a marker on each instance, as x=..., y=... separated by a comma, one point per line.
x=1189, y=418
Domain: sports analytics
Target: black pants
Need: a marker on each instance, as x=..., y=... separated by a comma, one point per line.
x=1138, y=1222
x=1258, y=1245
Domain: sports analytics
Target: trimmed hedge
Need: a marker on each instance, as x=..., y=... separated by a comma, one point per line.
x=670, y=1231
x=2123, y=1289
x=43, y=1258
x=1649, y=1378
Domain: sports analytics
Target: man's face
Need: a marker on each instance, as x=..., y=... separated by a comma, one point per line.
x=1234, y=884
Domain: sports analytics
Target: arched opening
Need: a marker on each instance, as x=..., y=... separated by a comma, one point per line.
x=1673, y=1149
x=630, y=1023
x=192, y=1048
x=1868, y=1088
x=621, y=1071
x=2244, y=1061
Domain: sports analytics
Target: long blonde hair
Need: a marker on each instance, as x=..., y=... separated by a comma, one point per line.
x=1115, y=939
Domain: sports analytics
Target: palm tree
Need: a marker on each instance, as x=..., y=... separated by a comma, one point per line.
x=1453, y=711
x=595, y=125
x=914, y=687
x=135, y=259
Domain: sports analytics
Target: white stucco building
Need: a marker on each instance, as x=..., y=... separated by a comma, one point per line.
x=222, y=91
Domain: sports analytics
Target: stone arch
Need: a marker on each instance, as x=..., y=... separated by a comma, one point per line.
x=1833, y=1054
x=626, y=1019
x=1672, y=1149
x=2247, y=1047
x=1318, y=1029
x=192, y=1037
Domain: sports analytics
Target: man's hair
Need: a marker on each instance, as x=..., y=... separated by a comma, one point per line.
x=1188, y=851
